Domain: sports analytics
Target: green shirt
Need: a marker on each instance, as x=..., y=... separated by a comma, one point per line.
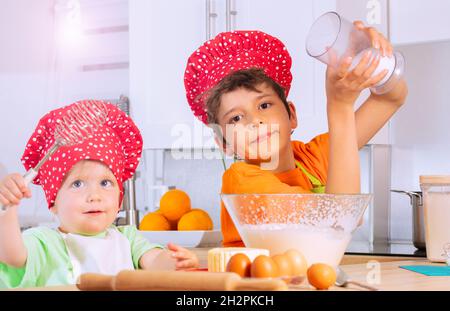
x=48, y=262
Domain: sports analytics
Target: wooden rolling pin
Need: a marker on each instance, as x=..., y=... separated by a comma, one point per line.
x=175, y=280
x=95, y=281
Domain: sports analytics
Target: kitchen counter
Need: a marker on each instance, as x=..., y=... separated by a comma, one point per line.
x=394, y=278
x=384, y=270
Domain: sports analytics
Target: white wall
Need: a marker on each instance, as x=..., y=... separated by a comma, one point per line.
x=26, y=33
x=39, y=73
x=420, y=131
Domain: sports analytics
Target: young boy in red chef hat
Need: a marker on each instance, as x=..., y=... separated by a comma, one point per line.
x=239, y=82
x=83, y=185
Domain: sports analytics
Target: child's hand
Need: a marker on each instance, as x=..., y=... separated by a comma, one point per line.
x=344, y=86
x=185, y=259
x=13, y=189
x=378, y=40
x=400, y=91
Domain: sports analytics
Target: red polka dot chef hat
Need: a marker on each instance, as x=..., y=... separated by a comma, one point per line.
x=229, y=52
x=117, y=143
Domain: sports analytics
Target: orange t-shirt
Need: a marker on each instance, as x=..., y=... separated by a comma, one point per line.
x=247, y=178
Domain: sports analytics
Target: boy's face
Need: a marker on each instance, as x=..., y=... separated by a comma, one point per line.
x=88, y=200
x=256, y=125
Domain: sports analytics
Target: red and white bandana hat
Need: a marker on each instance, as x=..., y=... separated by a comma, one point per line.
x=229, y=52
x=117, y=144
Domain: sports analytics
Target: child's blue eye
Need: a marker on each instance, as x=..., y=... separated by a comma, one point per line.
x=236, y=119
x=106, y=183
x=265, y=105
x=77, y=184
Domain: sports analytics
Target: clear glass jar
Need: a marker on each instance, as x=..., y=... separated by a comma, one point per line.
x=436, y=201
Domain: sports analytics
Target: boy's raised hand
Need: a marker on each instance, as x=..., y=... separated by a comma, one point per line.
x=185, y=259
x=344, y=85
x=13, y=189
x=378, y=40
x=400, y=91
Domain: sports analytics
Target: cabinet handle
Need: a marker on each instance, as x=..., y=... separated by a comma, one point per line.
x=210, y=18
x=231, y=13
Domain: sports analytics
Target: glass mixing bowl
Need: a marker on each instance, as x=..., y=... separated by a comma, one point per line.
x=320, y=226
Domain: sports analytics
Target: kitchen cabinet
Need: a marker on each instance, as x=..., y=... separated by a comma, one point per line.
x=90, y=61
x=404, y=22
x=162, y=36
x=418, y=21
x=164, y=33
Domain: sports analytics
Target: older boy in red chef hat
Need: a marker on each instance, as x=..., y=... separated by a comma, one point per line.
x=239, y=82
x=83, y=185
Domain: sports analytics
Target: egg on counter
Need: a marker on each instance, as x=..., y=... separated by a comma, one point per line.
x=264, y=267
x=284, y=264
x=218, y=257
x=299, y=265
x=240, y=264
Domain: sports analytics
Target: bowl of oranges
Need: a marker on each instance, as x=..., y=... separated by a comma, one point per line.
x=320, y=226
x=177, y=222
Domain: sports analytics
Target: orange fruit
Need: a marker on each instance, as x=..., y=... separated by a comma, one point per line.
x=173, y=224
x=154, y=222
x=174, y=204
x=321, y=275
x=196, y=219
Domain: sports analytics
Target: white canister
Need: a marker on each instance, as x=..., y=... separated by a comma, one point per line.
x=436, y=201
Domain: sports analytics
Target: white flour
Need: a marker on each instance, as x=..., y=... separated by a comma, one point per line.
x=385, y=63
x=325, y=245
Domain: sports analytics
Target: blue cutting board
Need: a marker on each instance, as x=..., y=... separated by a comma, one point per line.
x=429, y=270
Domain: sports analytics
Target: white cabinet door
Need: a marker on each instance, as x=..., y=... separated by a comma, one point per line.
x=162, y=36
x=290, y=20
x=418, y=21
x=372, y=13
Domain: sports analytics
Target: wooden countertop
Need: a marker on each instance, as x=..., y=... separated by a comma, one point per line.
x=383, y=271
x=392, y=277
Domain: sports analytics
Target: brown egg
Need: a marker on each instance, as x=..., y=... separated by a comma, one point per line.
x=299, y=265
x=240, y=264
x=284, y=265
x=264, y=267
